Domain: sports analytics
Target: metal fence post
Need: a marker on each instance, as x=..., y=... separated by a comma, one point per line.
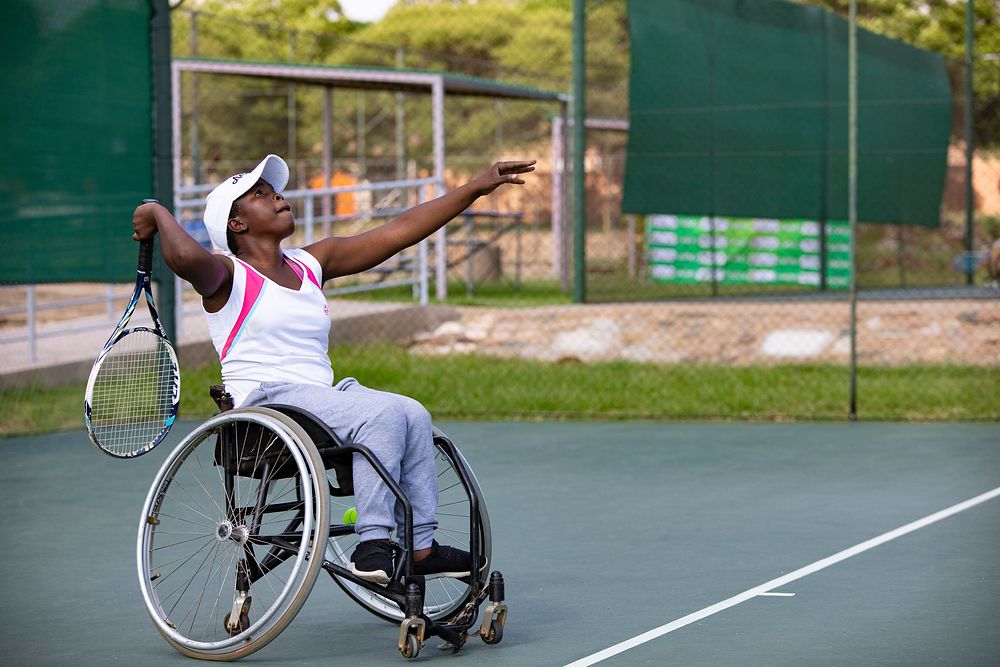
x=32, y=342
x=579, y=147
x=558, y=189
x=441, y=236
x=852, y=197
x=970, y=138
x=163, y=146
x=423, y=259
x=470, y=249
x=310, y=218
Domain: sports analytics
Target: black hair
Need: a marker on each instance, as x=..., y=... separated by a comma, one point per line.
x=234, y=211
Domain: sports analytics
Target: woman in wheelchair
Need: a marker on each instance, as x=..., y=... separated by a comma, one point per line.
x=269, y=322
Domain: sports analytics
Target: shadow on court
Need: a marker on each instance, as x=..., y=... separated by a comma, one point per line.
x=603, y=531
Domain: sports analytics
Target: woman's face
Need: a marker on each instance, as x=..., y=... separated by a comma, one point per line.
x=265, y=212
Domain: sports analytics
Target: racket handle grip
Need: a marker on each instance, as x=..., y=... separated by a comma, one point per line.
x=146, y=256
x=146, y=248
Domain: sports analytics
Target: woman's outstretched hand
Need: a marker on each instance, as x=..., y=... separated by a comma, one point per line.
x=501, y=173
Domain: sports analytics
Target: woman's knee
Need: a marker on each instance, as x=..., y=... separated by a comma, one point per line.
x=387, y=415
x=416, y=414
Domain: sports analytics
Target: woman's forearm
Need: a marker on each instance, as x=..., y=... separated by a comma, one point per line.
x=419, y=222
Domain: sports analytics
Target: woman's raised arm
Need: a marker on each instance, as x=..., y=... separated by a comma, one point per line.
x=343, y=256
x=207, y=272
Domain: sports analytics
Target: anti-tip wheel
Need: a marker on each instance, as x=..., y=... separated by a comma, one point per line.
x=240, y=627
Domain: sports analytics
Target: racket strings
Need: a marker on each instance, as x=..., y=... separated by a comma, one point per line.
x=133, y=392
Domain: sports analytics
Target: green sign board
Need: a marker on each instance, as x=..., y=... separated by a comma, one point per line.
x=742, y=251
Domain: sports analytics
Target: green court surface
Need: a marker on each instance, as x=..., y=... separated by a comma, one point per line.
x=663, y=540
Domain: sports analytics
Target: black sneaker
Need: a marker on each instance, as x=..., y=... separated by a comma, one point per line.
x=372, y=561
x=444, y=561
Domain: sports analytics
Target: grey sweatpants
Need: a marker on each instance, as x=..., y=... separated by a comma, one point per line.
x=397, y=429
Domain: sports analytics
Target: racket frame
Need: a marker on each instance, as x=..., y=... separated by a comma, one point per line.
x=143, y=286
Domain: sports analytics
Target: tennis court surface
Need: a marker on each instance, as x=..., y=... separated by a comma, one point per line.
x=627, y=543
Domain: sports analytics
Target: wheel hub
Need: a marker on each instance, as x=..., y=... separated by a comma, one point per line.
x=225, y=531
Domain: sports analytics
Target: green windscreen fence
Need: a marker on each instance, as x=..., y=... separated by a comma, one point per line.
x=76, y=110
x=739, y=108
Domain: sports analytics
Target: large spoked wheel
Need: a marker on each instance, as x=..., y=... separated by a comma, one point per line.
x=444, y=596
x=229, y=531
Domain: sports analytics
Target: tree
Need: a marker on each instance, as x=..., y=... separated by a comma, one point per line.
x=939, y=25
x=517, y=41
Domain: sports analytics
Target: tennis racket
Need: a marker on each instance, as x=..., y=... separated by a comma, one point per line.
x=135, y=385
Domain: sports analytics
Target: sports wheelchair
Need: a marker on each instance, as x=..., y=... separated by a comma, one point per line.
x=245, y=512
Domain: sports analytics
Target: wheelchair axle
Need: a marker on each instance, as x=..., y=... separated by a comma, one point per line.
x=225, y=531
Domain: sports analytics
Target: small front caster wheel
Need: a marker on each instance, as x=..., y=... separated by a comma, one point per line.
x=243, y=624
x=411, y=649
x=494, y=635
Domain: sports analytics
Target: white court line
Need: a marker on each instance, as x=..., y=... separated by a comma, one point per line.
x=783, y=580
x=778, y=595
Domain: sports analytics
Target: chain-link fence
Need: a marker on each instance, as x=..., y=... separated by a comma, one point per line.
x=927, y=300
x=642, y=345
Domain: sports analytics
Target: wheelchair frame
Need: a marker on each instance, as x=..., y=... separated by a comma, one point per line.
x=295, y=458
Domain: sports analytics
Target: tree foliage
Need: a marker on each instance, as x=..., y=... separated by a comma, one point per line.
x=940, y=25
x=516, y=41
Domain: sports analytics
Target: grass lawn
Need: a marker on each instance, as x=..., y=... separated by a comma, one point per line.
x=478, y=387
x=497, y=294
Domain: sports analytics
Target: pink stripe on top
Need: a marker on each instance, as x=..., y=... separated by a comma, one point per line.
x=294, y=266
x=254, y=286
x=295, y=263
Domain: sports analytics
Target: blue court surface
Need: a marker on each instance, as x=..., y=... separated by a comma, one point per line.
x=631, y=543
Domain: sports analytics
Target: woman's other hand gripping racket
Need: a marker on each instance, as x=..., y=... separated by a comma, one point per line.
x=134, y=387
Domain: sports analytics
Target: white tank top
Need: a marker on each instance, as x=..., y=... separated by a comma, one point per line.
x=267, y=332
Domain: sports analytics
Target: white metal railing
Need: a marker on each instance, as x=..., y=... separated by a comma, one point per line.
x=31, y=333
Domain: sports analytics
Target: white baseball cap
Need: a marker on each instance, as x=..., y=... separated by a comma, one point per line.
x=220, y=200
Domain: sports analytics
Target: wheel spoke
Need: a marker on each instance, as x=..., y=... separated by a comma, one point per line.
x=184, y=585
x=221, y=512
x=160, y=580
x=197, y=536
x=201, y=596
x=201, y=518
x=222, y=587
